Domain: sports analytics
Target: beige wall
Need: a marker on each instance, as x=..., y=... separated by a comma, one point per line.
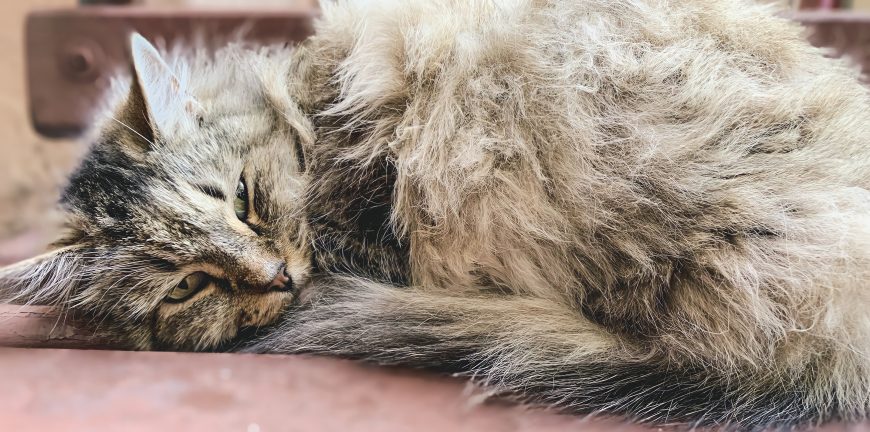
x=30, y=167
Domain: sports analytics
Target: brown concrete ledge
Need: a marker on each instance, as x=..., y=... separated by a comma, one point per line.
x=42, y=327
x=86, y=390
x=80, y=390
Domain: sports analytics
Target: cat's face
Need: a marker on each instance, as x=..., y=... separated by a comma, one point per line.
x=185, y=217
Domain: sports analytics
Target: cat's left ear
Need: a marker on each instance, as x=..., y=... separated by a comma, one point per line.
x=48, y=279
x=158, y=92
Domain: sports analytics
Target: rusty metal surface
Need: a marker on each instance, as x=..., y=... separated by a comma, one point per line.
x=75, y=390
x=72, y=53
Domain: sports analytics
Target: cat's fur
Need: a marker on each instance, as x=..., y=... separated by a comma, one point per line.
x=147, y=206
x=650, y=208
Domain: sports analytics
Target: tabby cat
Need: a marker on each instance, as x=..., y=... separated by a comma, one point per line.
x=649, y=208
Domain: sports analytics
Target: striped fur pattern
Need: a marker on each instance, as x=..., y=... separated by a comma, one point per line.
x=152, y=203
x=649, y=208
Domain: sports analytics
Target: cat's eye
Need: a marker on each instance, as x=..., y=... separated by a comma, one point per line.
x=240, y=203
x=189, y=286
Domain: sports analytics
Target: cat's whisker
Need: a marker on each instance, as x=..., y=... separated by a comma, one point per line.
x=149, y=142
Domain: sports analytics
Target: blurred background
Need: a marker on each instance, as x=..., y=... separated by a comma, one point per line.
x=32, y=167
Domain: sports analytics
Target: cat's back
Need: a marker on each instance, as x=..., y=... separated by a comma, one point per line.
x=611, y=143
x=677, y=73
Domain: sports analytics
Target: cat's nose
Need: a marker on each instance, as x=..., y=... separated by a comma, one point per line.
x=282, y=281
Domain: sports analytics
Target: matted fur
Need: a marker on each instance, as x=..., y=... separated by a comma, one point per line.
x=649, y=208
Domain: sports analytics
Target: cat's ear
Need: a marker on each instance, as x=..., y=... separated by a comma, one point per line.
x=158, y=103
x=47, y=279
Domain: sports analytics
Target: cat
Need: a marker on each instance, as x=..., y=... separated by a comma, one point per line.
x=653, y=209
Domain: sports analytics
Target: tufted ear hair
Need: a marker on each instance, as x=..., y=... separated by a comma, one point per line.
x=48, y=279
x=158, y=104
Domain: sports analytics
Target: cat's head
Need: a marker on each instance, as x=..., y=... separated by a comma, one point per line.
x=184, y=219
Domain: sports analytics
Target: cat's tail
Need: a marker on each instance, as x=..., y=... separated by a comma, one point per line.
x=530, y=349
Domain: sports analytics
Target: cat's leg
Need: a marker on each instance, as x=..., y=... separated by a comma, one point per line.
x=531, y=349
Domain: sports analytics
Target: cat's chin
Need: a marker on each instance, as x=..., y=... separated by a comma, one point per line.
x=271, y=307
x=244, y=337
x=311, y=289
x=265, y=309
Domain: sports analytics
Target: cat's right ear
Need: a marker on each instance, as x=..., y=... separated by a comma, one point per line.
x=48, y=279
x=158, y=104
